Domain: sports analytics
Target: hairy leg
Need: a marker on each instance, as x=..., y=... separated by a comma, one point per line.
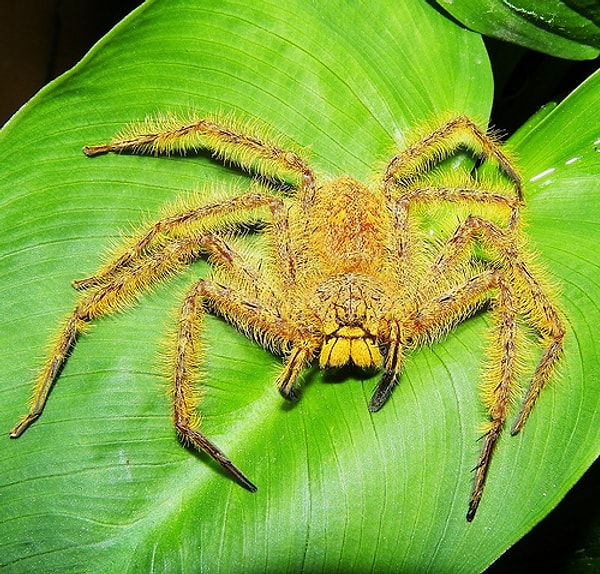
x=194, y=221
x=100, y=301
x=429, y=194
x=519, y=293
x=500, y=377
x=255, y=309
x=414, y=161
x=249, y=315
x=532, y=300
x=225, y=138
x=499, y=382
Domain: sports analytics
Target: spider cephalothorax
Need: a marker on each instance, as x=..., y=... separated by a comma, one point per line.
x=350, y=274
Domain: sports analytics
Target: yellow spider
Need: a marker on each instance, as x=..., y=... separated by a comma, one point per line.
x=350, y=274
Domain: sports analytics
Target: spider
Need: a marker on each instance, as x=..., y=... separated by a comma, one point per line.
x=350, y=274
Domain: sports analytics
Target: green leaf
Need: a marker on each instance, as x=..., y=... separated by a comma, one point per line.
x=100, y=482
x=565, y=29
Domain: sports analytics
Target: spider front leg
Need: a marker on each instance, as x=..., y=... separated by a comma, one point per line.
x=501, y=381
x=533, y=302
x=443, y=311
x=249, y=315
x=253, y=310
x=519, y=294
x=184, y=397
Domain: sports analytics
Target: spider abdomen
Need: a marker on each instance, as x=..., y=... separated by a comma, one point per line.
x=350, y=227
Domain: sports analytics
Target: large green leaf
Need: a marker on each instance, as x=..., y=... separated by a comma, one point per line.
x=562, y=28
x=100, y=482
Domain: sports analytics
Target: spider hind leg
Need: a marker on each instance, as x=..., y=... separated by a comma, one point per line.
x=458, y=132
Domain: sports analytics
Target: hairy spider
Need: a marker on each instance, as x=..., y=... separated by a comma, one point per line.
x=351, y=274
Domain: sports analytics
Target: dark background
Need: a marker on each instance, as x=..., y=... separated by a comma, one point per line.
x=40, y=39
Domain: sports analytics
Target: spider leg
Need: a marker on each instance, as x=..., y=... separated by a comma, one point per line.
x=450, y=307
x=533, y=301
x=519, y=294
x=404, y=262
x=412, y=162
x=256, y=313
x=501, y=382
x=129, y=276
x=184, y=398
x=534, y=304
x=100, y=301
x=250, y=316
x=195, y=220
x=223, y=138
x=400, y=243
x=51, y=370
x=546, y=319
x=399, y=207
x=459, y=195
x=463, y=195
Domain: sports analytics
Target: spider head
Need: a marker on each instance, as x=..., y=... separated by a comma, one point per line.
x=350, y=307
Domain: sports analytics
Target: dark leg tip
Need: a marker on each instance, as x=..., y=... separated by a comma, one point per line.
x=292, y=395
x=376, y=403
x=382, y=392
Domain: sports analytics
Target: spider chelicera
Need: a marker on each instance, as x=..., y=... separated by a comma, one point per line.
x=350, y=273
